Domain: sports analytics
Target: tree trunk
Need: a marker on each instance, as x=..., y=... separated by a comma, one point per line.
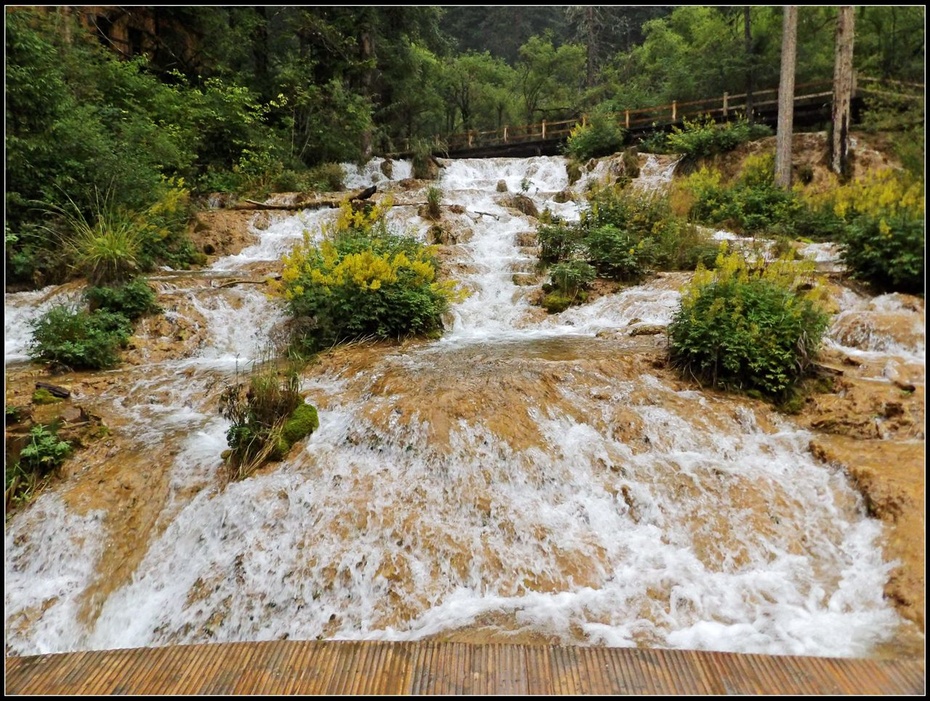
x=789, y=42
x=842, y=90
x=747, y=35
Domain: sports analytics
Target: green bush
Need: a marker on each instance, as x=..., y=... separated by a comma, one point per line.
x=328, y=177
x=751, y=205
x=78, y=339
x=363, y=281
x=569, y=277
x=557, y=241
x=433, y=200
x=602, y=136
x=884, y=229
x=132, y=299
x=699, y=139
x=44, y=452
x=747, y=328
x=888, y=252
x=617, y=254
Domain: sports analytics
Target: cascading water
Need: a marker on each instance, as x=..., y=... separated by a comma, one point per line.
x=526, y=478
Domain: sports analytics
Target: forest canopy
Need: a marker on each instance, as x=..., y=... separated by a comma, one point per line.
x=138, y=105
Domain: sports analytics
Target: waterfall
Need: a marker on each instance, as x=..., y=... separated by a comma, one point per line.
x=527, y=477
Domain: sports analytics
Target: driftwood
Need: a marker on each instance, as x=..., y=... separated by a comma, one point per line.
x=54, y=390
x=313, y=202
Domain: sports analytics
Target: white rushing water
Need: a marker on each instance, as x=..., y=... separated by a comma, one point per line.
x=376, y=529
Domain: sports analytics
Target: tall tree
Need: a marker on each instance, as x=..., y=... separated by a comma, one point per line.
x=747, y=37
x=789, y=47
x=842, y=90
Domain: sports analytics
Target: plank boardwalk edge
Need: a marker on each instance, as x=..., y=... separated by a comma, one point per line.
x=353, y=667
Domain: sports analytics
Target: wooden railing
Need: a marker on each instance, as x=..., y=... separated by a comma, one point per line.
x=720, y=108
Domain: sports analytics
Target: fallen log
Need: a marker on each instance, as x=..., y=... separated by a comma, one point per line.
x=54, y=390
x=314, y=202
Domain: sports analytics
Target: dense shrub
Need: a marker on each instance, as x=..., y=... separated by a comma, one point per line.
x=748, y=328
x=621, y=235
x=618, y=254
x=701, y=138
x=362, y=280
x=68, y=337
x=884, y=233
x=557, y=241
x=751, y=205
x=571, y=276
x=601, y=136
x=132, y=299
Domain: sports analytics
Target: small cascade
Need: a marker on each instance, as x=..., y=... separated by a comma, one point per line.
x=526, y=478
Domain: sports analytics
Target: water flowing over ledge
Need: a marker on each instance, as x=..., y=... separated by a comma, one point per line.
x=526, y=478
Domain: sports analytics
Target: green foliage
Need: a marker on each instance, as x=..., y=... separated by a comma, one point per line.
x=751, y=205
x=301, y=422
x=44, y=452
x=132, y=299
x=618, y=254
x=746, y=328
x=421, y=158
x=700, y=139
x=569, y=277
x=883, y=231
x=557, y=241
x=556, y=302
x=78, y=339
x=106, y=248
x=888, y=252
x=362, y=281
x=327, y=177
x=622, y=235
x=267, y=416
x=602, y=136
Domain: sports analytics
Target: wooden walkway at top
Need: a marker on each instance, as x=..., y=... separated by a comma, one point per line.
x=812, y=102
x=434, y=668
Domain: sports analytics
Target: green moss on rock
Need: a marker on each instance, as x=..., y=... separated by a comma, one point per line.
x=301, y=423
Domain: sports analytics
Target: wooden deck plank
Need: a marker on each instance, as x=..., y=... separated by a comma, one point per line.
x=360, y=668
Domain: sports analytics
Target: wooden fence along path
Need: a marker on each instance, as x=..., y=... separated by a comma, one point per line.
x=432, y=668
x=813, y=97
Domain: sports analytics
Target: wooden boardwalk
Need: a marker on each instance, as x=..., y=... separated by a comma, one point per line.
x=434, y=668
x=812, y=105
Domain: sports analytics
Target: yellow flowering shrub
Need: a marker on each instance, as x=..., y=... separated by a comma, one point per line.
x=884, y=229
x=361, y=280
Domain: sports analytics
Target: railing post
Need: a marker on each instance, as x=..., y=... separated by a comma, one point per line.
x=725, y=96
x=627, y=119
x=675, y=110
x=505, y=134
x=544, y=129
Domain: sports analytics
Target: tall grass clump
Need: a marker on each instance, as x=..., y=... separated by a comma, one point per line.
x=267, y=416
x=748, y=326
